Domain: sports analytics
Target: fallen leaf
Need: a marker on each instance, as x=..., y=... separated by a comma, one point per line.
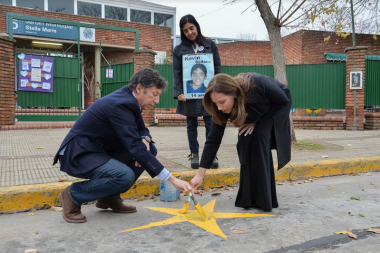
x=349, y=145
x=310, y=179
x=352, y=235
x=279, y=183
x=350, y=214
x=31, y=214
x=237, y=232
x=62, y=179
x=362, y=215
x=331, y=187
x=140, y=199
x=354, y=198
x=302, y=202
x=283, y=195
x=343, y=192
x=40, y=148
x=32, y=251
x=368, y=174
x=324, y=156
x=216, y=194
x=228, y=195
x=34, y=233
x=56, y=208
x=200, y=192
x=341, y=233
x=374, y=230
x=353, y=174
x=228, y=188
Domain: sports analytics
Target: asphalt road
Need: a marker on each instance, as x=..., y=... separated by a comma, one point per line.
x=310, y=214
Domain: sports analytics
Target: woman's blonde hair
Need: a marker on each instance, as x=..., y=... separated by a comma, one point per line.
x=238, y=87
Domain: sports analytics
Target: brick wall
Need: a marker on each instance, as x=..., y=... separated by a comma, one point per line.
x=7, y=83
x=372, y=121
x=355, y=110
x=245, y=53
x=151, y=36
x=300, y=47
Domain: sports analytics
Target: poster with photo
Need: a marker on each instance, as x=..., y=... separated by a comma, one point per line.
x=198, y=70
x=36, y=73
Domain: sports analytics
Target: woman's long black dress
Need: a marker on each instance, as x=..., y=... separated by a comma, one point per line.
x=268, y=107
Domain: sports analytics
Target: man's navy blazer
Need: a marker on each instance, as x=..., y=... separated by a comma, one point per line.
x=110, y=126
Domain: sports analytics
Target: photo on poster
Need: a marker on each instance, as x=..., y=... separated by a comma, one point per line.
x=36, y=75
x=47, y=66
x=45, y=86
x=24, y=82
x=25, y=65
x=198, y=70
x=36, y=63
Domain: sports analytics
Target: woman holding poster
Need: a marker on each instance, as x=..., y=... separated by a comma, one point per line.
x=259, y=105
x=194, y=50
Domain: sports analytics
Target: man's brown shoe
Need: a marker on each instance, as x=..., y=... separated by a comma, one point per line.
x=116, y=204
x=71, y=212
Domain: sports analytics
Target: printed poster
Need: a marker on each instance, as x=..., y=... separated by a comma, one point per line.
x=35, y=73
x=198, y=70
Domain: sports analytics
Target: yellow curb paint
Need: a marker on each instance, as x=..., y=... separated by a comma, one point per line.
x=24, y=198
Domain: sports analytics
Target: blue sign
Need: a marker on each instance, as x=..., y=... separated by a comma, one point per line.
x=40, y=29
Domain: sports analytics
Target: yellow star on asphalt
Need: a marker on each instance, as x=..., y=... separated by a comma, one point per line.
x=193, y=217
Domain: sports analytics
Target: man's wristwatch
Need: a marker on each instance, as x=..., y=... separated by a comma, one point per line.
x=147, y=138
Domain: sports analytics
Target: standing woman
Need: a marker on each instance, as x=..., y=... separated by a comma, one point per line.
x=259, y=105
x=192, y=42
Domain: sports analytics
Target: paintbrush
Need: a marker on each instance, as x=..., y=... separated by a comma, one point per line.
x=186, y=205
x=199, y=208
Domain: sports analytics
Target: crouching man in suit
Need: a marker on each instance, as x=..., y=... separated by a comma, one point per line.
x=110, y=146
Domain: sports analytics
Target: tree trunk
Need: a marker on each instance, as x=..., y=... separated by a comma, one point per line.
x=274, y=32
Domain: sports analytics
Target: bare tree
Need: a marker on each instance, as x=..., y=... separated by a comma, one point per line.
x=247, y=36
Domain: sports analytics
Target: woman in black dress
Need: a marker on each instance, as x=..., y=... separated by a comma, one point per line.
x=259, y=105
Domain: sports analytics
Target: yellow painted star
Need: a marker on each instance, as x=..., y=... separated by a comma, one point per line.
x=192, y=216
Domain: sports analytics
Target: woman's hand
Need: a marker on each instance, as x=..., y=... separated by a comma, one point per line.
x=246, y=128
x=198, y=178
x=181, y=98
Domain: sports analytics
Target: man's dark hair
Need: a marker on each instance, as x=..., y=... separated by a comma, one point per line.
x=147, y=77
x=200, y=40
x=199, y=66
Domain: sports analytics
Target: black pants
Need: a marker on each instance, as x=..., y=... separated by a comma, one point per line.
x=192, y=131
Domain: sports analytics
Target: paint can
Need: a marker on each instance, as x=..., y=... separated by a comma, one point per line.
x=168, y=193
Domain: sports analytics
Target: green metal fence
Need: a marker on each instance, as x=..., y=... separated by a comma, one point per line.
x=312, y=85
x=166, y=98
x=317, y=85
x=372, y=83
x=122, y=73
x=60, y=105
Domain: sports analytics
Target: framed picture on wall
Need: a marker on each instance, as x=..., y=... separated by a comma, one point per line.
x=356, y=80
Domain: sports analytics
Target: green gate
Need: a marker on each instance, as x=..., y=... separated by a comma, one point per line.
x=372, y=83
x=63, y=104
x=166, y=98
x=122, y=73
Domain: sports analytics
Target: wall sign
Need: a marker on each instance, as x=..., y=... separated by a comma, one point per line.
x=50, y=30
x=356, y=80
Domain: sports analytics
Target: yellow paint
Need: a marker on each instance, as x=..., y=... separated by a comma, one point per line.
x=192, y=216
x=23, y=198
x=185, y=207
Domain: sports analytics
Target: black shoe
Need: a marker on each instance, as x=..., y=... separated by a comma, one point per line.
x=215, y=163
x=194, y=161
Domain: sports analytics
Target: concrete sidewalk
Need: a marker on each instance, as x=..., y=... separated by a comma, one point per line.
x=28, y=179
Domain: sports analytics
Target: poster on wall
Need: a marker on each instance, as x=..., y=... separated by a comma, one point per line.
x=35, y=73
x=198, y=69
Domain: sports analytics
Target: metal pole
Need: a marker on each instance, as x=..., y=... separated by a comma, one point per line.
x=79, y=73
x=353, y=25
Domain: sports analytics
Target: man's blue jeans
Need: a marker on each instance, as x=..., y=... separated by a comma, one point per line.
x=110, y=179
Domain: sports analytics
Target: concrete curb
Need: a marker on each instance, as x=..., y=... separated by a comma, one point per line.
x=30, y=197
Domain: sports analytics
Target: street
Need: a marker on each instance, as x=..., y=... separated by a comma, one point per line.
x=311, y=212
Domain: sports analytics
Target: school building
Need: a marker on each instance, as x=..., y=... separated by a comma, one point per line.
x=57, y=57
